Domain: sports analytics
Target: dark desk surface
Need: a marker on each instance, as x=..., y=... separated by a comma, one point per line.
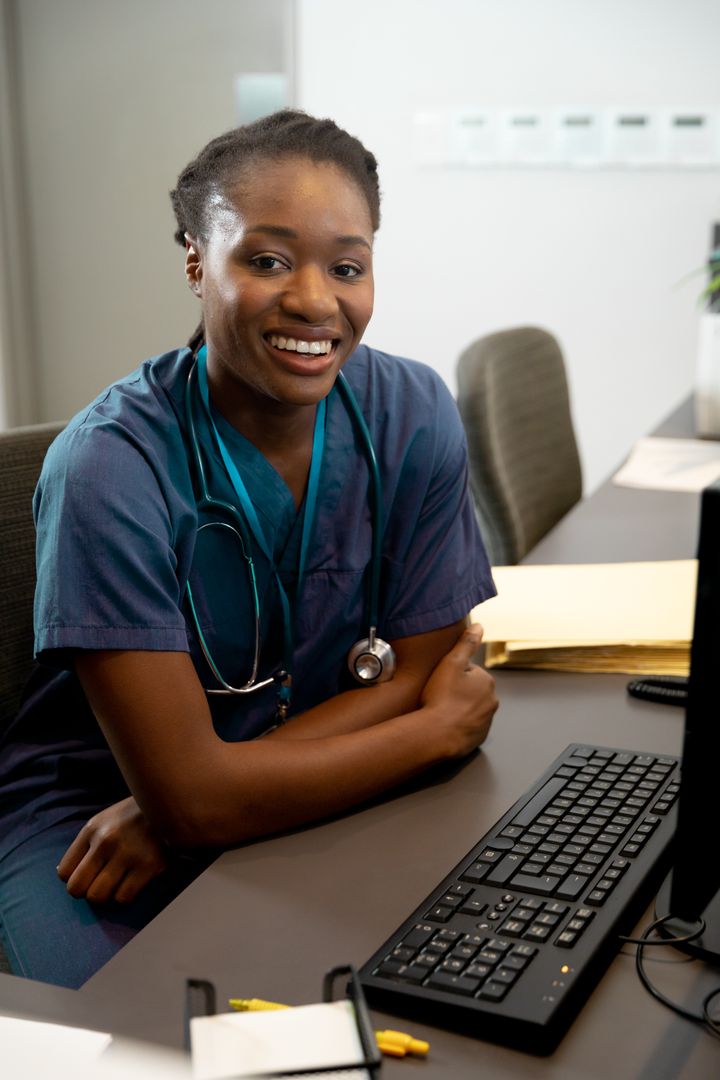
x=268, y=919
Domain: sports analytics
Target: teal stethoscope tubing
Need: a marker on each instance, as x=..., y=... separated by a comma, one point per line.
x=246, y=522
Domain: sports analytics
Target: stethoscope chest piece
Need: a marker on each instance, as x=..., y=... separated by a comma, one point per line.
x=372, y=660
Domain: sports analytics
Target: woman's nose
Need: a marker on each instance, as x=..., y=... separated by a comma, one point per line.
x=310, y=295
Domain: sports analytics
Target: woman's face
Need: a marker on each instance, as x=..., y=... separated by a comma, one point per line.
x=286, y=282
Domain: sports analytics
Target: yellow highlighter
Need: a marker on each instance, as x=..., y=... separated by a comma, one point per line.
x=393, y=1043
x=398, y=1044
x=255, y=1005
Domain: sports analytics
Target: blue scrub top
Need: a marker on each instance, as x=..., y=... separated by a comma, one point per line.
x=118, y=538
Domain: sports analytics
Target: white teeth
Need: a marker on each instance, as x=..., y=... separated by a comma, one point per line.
x=316, y=348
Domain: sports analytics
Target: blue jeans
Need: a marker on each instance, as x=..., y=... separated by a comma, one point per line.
x=50, y=936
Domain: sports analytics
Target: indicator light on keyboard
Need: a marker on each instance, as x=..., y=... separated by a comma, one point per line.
x=398, y=1044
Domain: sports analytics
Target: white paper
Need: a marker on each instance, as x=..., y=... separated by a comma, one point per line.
x=31, y=1048
x=671, y=464
x=253, y=1043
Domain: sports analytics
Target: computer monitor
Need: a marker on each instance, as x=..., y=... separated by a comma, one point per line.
x=692, y=889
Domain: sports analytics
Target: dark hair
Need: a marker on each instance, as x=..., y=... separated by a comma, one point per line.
x=288, y=133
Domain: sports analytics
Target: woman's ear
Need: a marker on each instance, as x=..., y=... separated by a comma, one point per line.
x=193, y=265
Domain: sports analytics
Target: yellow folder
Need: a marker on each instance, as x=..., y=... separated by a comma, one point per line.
x=635, y=617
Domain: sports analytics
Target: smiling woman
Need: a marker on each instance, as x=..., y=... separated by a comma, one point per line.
x=256, y=555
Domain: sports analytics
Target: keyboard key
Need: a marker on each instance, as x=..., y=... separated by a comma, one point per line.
x=556, y=909
x=426, y=960
x=478, y=971
x=463, y=952
x=491, y=854
x=493, y=991
x=448, y=935
x=566, y=939
x=451, y=963
x=513, y=831
x=489, y=956
x=515, y=963
x=557, y=870
x=523, y=914
x=505, y=975
x=546, y=918
x=406, y=972
x=544, y=884
x=458, y=889
x=454, y=984
x=572, y=886
x=498, y=945
x=418, y=935
x=476, y=872
x=503, y=871
x=537, y=932
x=537, y=804
x=527, y=952
x=473, y=907
x=439, y=913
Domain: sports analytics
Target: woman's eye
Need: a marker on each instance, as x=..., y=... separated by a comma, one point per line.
x=266, y=262
x=347, y=270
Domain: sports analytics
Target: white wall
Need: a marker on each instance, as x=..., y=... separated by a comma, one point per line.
x=114, y=99
x=592, y=256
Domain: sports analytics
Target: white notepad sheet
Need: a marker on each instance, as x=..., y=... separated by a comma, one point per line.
x=671, y=464
x=253, y=1043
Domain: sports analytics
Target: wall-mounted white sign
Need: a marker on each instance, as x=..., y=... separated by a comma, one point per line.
x=569, y=136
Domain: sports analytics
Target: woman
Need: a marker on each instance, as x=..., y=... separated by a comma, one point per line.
x=125, y=769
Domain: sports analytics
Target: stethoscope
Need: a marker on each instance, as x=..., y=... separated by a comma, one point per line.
x=370, y=660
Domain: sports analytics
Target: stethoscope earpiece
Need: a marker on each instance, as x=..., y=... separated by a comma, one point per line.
x=372, y=660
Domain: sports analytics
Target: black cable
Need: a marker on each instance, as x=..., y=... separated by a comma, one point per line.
x=705, y=1019
x=663, y=689
x=663, y=941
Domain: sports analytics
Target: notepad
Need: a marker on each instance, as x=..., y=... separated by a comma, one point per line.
x=30, y=1048
x=253, y=1043
x=634, y=618
x=671, y=464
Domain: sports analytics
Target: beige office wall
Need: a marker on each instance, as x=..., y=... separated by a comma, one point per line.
x=593, y=255
x=115, y=98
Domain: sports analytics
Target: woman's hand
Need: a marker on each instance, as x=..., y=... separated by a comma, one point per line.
x=113, y=856
x=462, y=695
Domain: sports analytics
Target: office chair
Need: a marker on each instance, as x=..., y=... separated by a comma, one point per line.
x=22, y=451
x=21, y=455
x=525, y=469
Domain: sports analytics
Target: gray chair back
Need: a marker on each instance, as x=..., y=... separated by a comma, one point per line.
x=525, y=471
x=21, y=455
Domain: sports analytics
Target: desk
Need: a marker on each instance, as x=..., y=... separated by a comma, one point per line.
x=269, y=918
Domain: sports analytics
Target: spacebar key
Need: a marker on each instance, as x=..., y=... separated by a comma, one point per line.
x=537, y=804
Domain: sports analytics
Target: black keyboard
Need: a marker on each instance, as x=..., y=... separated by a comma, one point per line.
x=510, y=944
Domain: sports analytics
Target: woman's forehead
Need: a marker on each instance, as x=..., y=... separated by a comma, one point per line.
x=291, y=188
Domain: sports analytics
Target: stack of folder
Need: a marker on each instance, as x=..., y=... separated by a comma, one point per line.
x=635, y=618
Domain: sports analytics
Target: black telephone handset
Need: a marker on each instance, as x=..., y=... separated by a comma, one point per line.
x=663, y=689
